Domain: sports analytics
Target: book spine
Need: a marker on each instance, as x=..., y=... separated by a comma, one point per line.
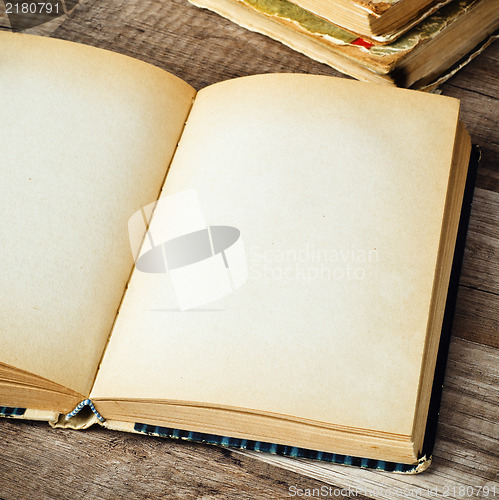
x=83, y=404
x=83, y=416
x=277, y=449
x=28, y=414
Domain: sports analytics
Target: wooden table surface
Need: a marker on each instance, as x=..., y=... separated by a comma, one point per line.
x=202, y=48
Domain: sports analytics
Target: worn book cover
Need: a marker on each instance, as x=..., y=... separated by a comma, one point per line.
x=428, y=53
x=382, y=21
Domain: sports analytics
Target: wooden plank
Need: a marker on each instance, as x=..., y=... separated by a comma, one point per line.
x=479, y=113
x=40, y=462
x=476, y=317
x=198, y=46
x=482, y=69
x=47, y=28
x=4, y=19
x=488, y=178
x=481, y=258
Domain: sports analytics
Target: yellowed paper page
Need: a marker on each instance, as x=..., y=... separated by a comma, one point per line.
x=338, y=190
x=87, y=136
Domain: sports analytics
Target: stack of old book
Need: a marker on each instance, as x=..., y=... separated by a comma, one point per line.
x=409, y=43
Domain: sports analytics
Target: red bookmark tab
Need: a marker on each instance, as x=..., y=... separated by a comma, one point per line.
x=362, y=43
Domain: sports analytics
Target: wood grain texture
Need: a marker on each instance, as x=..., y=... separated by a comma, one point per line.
x=38, y=462
x=196, y=45
x=202, y=48
x=481, y=265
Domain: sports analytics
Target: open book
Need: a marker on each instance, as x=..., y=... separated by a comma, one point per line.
x=339, y=203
